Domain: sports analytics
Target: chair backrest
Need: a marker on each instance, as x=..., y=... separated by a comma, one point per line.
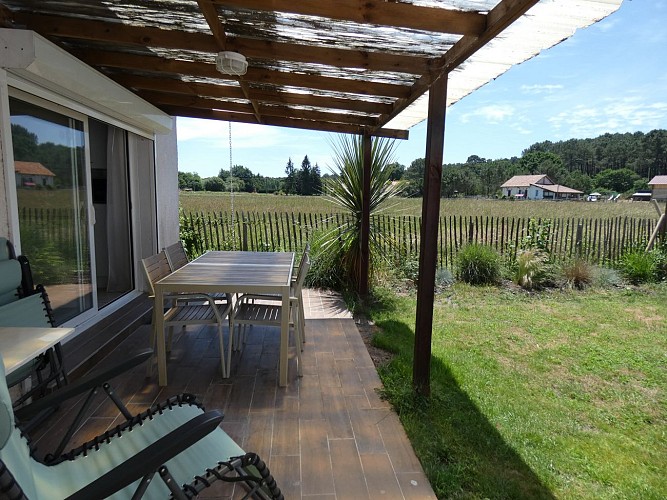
x=304, y=266
x=6, y=249
x=176, y=255
x=156, y=267
x=31, y=311
x=10, y=281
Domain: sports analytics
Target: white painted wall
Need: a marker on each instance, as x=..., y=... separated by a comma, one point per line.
x=166, y=165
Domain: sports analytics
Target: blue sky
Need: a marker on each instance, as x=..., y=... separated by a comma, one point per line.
x=610, y=77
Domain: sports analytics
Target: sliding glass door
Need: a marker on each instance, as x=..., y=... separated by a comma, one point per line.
x=52, y=188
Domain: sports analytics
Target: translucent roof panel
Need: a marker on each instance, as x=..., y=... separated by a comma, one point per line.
x=543, y=26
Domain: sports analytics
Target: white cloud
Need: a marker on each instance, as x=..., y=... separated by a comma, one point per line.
x=215, y=133
x=621, y=115
x=541, y=89
x=493, y=113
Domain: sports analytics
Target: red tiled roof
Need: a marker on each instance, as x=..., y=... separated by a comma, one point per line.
x=32, y=168
x=658, y=179
x=524, y=180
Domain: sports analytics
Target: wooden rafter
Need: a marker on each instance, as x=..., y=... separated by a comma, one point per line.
x=378, y=12
x=342, y=128
x=169, y=85
x=120, y=60
x=165, y=99
x=211, y=15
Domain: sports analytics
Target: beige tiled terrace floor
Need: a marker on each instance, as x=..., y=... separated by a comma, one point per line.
x=326, y=436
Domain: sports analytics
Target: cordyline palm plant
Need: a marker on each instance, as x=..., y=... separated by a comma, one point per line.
x=342, y=244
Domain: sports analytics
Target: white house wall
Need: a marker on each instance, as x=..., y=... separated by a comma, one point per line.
x=144, y=120
x=166, y=154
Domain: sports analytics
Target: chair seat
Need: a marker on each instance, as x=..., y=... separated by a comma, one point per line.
x=258, y=313
x=194, y=314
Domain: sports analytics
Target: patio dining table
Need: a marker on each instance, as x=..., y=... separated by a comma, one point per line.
x=229, y=272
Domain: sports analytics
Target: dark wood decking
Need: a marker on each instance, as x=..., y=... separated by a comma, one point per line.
x=326, y=436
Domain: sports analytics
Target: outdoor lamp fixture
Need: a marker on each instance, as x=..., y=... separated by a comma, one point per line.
x=231, y=63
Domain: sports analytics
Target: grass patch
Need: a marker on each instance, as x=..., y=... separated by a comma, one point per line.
x=535, y=396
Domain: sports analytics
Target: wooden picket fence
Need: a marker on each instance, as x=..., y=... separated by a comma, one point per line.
x=601, y=241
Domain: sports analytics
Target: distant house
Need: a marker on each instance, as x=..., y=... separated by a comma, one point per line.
x=658, y=187
x=32, y=174
x=537, y=187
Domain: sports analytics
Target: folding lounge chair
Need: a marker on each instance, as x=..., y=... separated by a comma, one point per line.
x=176, y=440
x=24, y=305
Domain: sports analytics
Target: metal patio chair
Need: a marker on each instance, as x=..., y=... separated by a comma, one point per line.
x=176, y=440
x=294, y=295
x=185, y=309
x=177, y=258
x=259, y=310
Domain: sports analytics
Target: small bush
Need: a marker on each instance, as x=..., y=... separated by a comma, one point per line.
x=478, y=265
x=605, y=277
x=326, y=270
x=577, y=273
x=443, y=278
x=640, y=267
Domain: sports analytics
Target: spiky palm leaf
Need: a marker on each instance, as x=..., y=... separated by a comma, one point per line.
x=345, y=189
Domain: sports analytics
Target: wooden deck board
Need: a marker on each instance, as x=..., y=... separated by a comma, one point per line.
x=328, y=435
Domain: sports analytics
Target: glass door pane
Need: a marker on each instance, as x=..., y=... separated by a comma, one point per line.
x=52, y=194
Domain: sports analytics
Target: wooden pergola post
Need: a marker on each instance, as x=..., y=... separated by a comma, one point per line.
x=364, y=265
x=428, y=252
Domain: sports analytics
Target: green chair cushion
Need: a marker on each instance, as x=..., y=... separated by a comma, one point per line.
x=28, y=311
x=10, y=280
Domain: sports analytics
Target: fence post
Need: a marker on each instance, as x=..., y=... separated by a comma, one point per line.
x=244, y=242
x=470, y=230
x=577, y=242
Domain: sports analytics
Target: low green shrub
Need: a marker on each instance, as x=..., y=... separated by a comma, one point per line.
x=639, y=266
x=478, y=265
x=606, y=277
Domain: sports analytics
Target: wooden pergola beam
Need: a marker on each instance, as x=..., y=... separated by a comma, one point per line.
x=161, y=99
x=378, y=12
x=339, y=128
x=170, y=85
x=428, y=248
x=121, y=60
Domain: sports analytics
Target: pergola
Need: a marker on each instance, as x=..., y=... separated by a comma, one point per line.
x=366, y=67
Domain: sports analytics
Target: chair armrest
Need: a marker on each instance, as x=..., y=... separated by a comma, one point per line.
x=152, y=457
x=85, y=383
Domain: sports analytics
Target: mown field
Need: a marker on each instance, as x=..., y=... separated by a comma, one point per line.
x=251, y=202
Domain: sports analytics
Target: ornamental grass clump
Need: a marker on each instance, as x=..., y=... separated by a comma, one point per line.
x=530, y=268
x=478, y=265
x=578, y=273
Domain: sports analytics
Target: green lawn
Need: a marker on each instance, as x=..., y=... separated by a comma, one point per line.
x=562, y=394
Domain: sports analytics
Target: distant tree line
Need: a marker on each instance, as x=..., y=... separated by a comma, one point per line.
x=619, y=163
x=306, y=181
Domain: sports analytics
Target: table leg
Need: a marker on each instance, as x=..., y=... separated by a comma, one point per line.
x=284, y=337
x=159, y=332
